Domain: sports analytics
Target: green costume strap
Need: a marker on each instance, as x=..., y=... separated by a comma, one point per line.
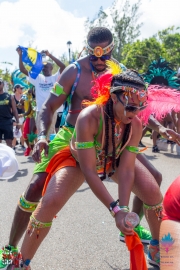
x=36, y=224
x=27, y=206
x=134, y=149
x=84, y=145
x=57, y=90
x=157, y=208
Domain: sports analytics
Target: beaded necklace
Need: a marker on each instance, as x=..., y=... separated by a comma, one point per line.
x=118, y=129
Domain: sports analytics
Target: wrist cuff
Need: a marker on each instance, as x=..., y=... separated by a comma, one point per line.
x=41, y=137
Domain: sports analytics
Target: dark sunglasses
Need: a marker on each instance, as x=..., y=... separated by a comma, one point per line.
x=103, y=58
x=131, y=108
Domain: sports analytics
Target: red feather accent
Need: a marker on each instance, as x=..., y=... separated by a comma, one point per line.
x=100, y=90
x=161, y=100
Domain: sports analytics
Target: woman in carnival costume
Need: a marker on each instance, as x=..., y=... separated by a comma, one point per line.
x=29, y=132
x=108, y=132
x=161, y=74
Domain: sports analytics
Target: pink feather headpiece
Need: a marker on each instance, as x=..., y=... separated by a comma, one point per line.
x=161, y=100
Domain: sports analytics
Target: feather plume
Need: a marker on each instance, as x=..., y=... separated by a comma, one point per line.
x=100, y=90
x=161, y=101
x=113, y=67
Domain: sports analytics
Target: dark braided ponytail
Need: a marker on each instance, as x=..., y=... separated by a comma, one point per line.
x=124, y=140
x=109, y=114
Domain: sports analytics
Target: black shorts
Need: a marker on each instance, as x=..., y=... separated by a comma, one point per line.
x=6, y=132
x=58, y=121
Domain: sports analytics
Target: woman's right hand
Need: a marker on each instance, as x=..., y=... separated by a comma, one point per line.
x=38, y=148
x=120, y=223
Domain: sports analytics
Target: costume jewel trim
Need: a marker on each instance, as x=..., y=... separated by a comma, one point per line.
x=84, y=145
x=99, y=51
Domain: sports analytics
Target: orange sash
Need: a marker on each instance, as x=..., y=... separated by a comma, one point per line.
x=137, y=258
x=61, y=159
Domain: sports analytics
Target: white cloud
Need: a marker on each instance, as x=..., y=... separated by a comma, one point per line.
x=50, y=27
x=158, y=15
x=42, y=22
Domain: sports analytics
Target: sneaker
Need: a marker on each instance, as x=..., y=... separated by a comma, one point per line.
x=6, y=254
x=144, y=235
x=141, y=144
x=27, y=152
x=153, y=256
x=170, y=142
x=155, y=149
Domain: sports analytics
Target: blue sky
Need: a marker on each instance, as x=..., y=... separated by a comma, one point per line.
x=82, y=8
x=49, y=24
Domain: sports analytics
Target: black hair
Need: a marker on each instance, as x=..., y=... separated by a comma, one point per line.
x=130, y=78
x=159, y=80
x=99, y=35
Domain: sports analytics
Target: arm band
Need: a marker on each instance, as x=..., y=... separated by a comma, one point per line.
x=84, y=145
x=134, y=149
x=57, y=90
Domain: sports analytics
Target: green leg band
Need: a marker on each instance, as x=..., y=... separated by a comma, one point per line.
x=36, y=224
x=27, y=206
x=157, y=208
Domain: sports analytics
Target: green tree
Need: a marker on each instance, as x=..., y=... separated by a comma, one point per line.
x=140, y=54
x=123, y=19
x=100, y=19
x=170, y=40
x=125, y=25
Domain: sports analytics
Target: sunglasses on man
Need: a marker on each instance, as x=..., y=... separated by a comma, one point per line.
x=103, y=58
x=131, y=108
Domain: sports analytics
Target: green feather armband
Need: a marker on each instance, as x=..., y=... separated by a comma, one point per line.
x=134, y=149
x=84, y=145
x=58, y=90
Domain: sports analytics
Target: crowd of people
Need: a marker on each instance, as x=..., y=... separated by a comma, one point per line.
x=100, y=120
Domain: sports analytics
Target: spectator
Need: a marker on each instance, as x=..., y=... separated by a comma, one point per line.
x=43, y=84
x=18, y=91
x=26, y=101
x=7, y=111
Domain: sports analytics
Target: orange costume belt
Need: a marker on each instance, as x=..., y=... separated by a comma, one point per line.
x=63, y=159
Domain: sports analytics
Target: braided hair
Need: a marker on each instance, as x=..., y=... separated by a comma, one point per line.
x=127, y=78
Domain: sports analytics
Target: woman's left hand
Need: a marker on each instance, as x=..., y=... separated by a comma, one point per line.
x=120, y=223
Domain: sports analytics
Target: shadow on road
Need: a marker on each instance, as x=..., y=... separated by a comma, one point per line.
x=20, y=173
x=171, y=155
x=151, y=157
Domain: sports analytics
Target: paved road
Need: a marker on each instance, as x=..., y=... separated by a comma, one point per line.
x=83, y=236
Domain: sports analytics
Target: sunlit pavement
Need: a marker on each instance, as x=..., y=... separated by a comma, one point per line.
x=84, y=235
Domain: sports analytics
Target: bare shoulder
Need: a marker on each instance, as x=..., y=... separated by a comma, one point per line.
x=69, y=72
x=136, y=125
x=89, y=118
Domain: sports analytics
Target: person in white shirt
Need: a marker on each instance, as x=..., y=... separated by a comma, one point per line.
x=43, y=84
